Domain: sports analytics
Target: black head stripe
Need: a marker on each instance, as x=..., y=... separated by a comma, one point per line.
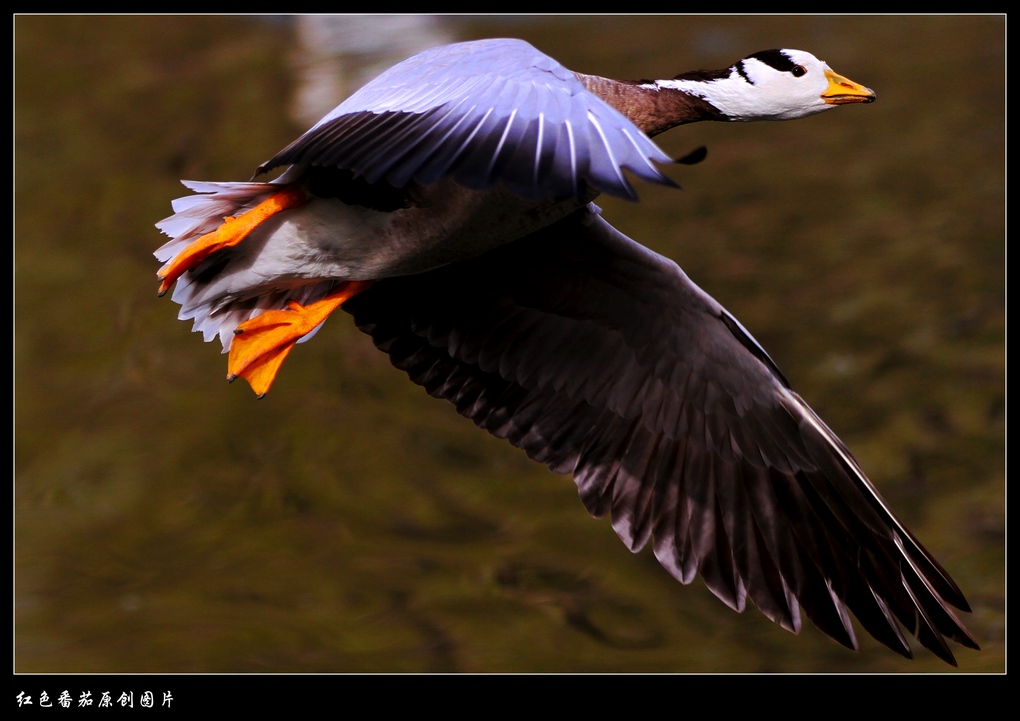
x=743, y=73
x=775, y=59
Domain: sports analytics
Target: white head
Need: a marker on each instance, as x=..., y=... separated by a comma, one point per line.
x=772, y=85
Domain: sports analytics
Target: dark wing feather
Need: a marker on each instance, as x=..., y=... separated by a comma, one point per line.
x=481, y=112
x=602, y=359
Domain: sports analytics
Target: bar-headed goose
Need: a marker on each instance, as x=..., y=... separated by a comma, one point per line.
x=447, y=206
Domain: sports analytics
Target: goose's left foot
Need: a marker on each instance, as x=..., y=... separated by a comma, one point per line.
x=261, y=344
x=232, y=232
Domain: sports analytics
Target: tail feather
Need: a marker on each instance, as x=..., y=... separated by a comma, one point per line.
x=196, y=215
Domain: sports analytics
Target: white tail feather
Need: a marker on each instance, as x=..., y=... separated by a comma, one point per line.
x=196, y=215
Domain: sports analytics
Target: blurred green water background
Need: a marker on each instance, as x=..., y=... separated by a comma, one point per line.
x=167, y=522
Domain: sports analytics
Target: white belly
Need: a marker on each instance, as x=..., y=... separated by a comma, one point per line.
x=330, y=240
x=303, y=253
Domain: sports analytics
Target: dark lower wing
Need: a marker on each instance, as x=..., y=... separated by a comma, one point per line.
x=602, y=359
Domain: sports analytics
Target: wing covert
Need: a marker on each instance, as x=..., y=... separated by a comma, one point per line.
x=482, y=112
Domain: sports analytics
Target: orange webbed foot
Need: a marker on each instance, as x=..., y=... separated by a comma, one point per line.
x=230, y=233
x=261, y=344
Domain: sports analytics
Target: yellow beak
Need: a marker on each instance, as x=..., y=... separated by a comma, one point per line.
x=842, y=91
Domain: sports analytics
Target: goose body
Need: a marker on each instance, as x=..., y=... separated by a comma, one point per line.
x=447, y=207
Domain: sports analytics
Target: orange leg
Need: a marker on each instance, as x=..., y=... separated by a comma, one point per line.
x=232, y=232
x=262, y=343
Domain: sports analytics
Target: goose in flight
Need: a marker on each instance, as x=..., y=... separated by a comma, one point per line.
x=447, y=206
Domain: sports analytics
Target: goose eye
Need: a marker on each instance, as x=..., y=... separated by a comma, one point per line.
x=798, y=70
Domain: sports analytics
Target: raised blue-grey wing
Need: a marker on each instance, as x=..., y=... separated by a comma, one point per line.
x=602, y=359
x=482, y=112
